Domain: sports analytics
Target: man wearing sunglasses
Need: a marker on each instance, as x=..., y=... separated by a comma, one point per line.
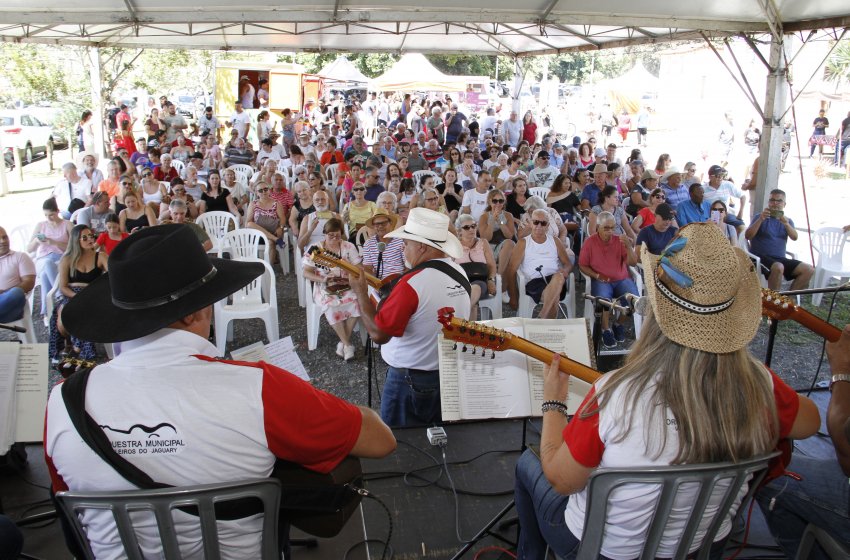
x=545, y=262
x=543, y=174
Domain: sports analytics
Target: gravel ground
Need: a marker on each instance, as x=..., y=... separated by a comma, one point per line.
x=795, y=356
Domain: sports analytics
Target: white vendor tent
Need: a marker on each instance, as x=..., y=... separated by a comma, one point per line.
x=343, y=70
x=413, y=72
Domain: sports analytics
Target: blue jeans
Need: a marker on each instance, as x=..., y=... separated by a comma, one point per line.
x=12, y=303
x=11, y=539
x=46, y=271
x=610, y=290
x=822, y=498
x=411, y=397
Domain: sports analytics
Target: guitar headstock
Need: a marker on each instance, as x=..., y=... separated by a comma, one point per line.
x=323, y=258
x=776, y=306
x=471, y=333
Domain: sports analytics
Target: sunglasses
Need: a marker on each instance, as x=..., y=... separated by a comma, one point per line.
x=127, y=183
x=468, y=227
x=88, y=236
x=146, y=175
x=661, y=196
x=432, y=199
x=359, y=189
x=498, y=201
x=179, y=191
x=266, y=189
x=544, y=157
x=540, y=223
x=380, y=224
x=718, y=210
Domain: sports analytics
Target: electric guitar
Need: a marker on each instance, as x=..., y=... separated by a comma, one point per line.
x=490, y=338
x=780, y=308
x=327, y=259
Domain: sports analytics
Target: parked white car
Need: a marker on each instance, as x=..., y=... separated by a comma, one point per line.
x=22, y=130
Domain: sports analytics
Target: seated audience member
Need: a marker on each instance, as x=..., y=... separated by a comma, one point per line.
x=265, y=173
x=639, y=195
x=178, y=212
x=110, y=184
x=545, y=262
x=517, y=195
x=87, y=163
x=165, y=172
x=591, y=192
x=475, y=200
x=646, y=215
x=280, y=193
x=718, y=188
x=451, y=191
x=389, y=202
x=658, y=235
x=609, y=201
x=17, y=279
x=193, y=185
x=479, y=260
x=178, y=190
x=267, y=153
x=415, y=161
x=566, y=202
x=153, y=192
x=72, y=192
x=109, y=239
x=498, y=227
x=389, y=260
x=606, y=259
x=690, y=393
x=232, y=420
x=266, y=216
x=331, y=289
x=47, y=244
x=80, y=266
x=357, y=211
x=718, y=213
x=136, y=215
x=95, y=215
x=372, y=183
x=768, y=236
x=674, y=190
x=215, y=197
x=302, y=205
x=543, y=174
x=526, y=225
x=818, y=494
x=238, y=153
x=695, y=209
x=311, y=231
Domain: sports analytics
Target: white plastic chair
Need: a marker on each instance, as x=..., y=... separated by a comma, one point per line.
x=243, y=172
x=179, y=166
x=25, y=322
x=493, y=304
x=417, y=176
x=542, y=192
x=314, y=317
x=829, y=243
x=245, y=243
x=257, y=300
x=299, y=268
x=332, y=175
x=217, y=224
x=527, y=305
x=744, y=245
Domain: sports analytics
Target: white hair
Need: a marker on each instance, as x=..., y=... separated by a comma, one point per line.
x=534, y=203
x=605, y=218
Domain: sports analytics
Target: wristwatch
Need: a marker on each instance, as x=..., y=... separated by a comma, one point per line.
x=839, y=377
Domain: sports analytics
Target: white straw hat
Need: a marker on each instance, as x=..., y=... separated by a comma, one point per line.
x=431, y=228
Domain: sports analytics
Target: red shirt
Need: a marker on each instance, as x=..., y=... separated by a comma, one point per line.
x=608, y=259
x=108, y=243
x=160, y=175
x=284, y=197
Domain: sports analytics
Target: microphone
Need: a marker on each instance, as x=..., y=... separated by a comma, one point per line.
x=638, y=304
x=13, y=328
x=381, y=247
x=607, y=303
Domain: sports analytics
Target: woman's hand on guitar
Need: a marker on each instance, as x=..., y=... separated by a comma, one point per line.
x=555, y=382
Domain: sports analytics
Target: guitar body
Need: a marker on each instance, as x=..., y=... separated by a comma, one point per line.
x=320, y=504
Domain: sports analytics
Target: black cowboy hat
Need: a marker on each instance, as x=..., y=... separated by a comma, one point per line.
x=156, y=276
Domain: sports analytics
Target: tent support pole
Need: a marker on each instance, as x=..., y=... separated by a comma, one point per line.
x=770, y=147
x=97, y=102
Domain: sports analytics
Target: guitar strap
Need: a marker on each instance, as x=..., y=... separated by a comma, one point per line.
x=74, y=396
x=442, y=266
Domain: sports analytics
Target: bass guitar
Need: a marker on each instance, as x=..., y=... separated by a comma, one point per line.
x=327, y=259
x=780, y=308
x=490, y=338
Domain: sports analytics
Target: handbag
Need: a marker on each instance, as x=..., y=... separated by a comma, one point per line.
x=336, y=284
x=475, y=271
x=76, y=203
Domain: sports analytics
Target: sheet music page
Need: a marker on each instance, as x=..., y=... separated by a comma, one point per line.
x=564, y=335
x=449, y=390
x=8, y=407
x=493, y=387
x=31, y=389
x=251, y=353
x=282, y=354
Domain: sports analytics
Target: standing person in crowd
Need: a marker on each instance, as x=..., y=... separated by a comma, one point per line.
x=48, y=243
x=529, y=128
x=768, y=236
x=842, y=148
x=208, y=125
x=624, y=125
x=405, y=326
x=246, y=93
x=606, y=259
x=690, y=393
x=513, y=130
x=154, y=124
x=455, y=122
x=240, y=120
x=331, y=289
x=820, y=124
x=726, y=139
x=85, y=133
x=17, y=279
x=642, y=124
x=231, y=420
x=72, y=192
x=174, y=123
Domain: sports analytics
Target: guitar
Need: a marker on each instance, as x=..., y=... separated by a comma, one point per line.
x=327, y=259
x=490, y=338
x=780, y=308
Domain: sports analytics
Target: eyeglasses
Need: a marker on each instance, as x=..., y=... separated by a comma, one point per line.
x=718, y=210
x=543, y=157
x=266, y=189
x=498, y=201
x=776, y=201
x=88, y=236
x=146, y=175
x=468, y=227
x=359, y=189
x=178, y=191
x=380, y=224
x=540, y=223
x=661, y=196
x=301, y=173
x=432, y=199
x=127, y=183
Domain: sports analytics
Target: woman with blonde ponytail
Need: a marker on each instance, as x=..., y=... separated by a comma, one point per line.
x=689, y=393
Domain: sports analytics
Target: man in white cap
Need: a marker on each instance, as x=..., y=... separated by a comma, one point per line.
x=406, y=321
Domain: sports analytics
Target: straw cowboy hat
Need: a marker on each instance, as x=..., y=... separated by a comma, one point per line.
x=430, y=228
x=393, y=218
x=156, y=276
x=705, y=294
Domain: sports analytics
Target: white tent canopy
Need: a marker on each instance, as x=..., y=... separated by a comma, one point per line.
x=413, y=72
x=342, y=70
x=490, y=27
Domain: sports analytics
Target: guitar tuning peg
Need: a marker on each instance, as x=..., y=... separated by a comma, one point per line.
x=473, y=350
x=463, y=349
x=454, y=346
x=492, y=355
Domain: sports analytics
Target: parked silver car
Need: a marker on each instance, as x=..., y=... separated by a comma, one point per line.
x=22, y=130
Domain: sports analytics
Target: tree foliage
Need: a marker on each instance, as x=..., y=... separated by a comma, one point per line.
x=36, y=74
x=838, y=65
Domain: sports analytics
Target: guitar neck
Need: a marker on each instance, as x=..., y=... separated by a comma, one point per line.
x=816, y=324
x=373, y=281
x=544, y=355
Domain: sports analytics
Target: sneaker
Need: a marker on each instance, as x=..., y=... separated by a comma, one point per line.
x=340, y=350
x=608, y=339
x=348, y=352
x=619, y=332
x=506, y=297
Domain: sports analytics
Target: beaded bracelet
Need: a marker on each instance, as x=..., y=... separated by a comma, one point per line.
x=556, y=406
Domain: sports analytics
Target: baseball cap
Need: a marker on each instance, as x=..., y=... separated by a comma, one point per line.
x=664, y=211
x=600, y=152
x=543, y=154
x=716, y=170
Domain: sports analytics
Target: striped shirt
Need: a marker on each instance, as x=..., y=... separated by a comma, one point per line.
x=392, y=261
